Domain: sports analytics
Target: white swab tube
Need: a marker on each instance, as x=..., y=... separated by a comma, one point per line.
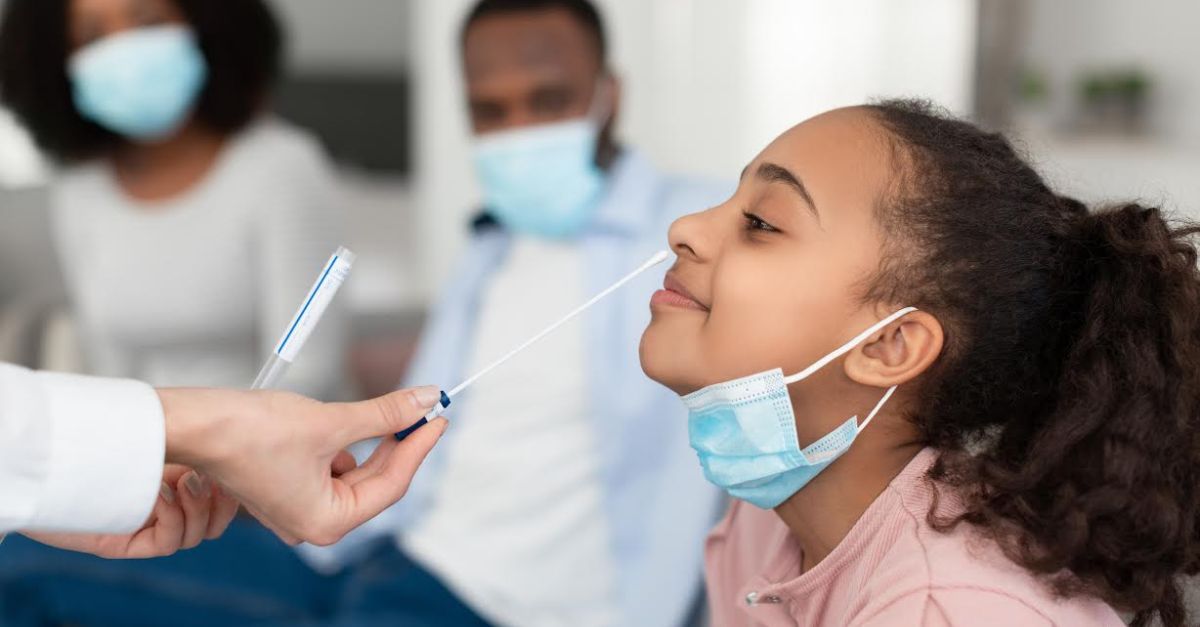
x=658, y=258
x=305, y=321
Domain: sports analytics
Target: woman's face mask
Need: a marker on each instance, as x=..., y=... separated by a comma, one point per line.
x=140, y=83
x=774, y=277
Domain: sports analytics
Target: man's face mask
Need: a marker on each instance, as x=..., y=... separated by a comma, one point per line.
x=543, y=180
x=140, y=83
x=744, y=431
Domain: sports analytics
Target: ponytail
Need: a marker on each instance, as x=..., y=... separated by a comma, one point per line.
x=1066, y=403
x=1108, y=484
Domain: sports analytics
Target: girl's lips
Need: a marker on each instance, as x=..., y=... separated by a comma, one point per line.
x=674, y=299
x=674, y=294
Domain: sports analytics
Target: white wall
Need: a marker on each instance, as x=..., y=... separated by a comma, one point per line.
x=442, y=187
x=707, y=84
x=711, y=83
x=1070, y=36
x=1103, y=171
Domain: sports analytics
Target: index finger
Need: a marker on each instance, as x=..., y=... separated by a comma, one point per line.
x=390, y=480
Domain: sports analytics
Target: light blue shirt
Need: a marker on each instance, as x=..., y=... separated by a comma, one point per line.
x=659, y=506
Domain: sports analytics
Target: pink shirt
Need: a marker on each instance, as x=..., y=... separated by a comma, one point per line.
x=891, y=569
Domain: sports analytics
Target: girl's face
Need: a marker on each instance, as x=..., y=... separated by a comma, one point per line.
x=774, y=277
x=91, y=20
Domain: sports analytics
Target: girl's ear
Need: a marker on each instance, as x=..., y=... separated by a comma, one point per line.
x=897, y=354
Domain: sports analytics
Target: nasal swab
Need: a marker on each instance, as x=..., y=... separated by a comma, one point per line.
x=658, y=258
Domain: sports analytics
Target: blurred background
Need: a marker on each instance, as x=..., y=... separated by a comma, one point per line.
x=1101, y=92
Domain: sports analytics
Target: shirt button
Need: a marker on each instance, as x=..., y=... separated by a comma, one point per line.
x=755, y=598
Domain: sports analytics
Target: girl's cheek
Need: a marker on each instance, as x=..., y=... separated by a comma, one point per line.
x=746, y=334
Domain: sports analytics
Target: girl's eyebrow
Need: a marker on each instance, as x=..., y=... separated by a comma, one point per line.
x=774, y=173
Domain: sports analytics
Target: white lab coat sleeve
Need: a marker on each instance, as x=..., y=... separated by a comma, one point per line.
x=77, y=453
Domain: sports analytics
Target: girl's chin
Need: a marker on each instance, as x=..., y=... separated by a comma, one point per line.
x=654, y=364
x=662, y=373
x=662, y=364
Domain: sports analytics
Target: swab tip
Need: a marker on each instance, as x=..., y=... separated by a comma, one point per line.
x=658, y=258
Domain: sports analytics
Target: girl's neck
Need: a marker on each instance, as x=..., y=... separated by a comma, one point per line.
x=823, y=513
x=165, y=169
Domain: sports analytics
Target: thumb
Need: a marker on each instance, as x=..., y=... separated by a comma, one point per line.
x=387, y=414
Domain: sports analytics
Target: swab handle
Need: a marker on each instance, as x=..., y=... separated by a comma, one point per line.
x=433, y=413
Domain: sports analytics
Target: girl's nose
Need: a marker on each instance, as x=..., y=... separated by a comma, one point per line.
x=690, y=237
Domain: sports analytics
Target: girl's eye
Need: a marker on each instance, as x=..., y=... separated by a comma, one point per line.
x=755, y=223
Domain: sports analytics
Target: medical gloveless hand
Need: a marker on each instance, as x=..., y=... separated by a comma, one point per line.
x=282, y=455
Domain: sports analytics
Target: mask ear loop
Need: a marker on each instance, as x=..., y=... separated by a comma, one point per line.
x=848, y=346
x=878, y=406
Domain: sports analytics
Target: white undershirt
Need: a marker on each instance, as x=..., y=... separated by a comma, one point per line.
x=517, y=527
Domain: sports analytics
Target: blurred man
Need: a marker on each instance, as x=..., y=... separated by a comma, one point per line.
x=547, y=502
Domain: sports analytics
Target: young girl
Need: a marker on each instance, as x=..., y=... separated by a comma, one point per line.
x=1037, y=463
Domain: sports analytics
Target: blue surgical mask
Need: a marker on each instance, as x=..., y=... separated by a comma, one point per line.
x=543, y=180
x=744, y=431
x=140, y=83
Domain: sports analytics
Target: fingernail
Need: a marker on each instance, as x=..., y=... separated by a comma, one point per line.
x=197, y=485
x=167, y=493
x=428, y=396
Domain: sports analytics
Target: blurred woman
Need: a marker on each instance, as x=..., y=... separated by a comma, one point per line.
x=189, y=223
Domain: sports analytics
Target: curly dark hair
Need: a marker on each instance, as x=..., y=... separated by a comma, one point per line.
x=1066, y=403
x=240, y=39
